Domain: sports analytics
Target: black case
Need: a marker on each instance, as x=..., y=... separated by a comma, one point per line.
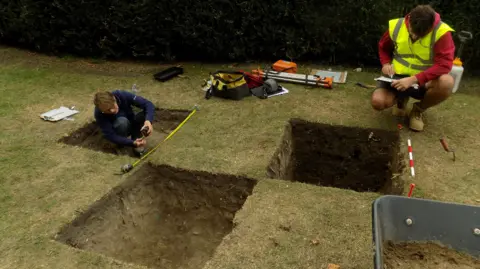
x=168, y=73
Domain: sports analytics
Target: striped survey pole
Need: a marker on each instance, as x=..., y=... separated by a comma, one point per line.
x=410, y=155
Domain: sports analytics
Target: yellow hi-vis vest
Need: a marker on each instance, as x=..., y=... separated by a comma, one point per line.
x=412, y=58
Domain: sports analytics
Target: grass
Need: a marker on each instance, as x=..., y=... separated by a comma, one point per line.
x=46, y=184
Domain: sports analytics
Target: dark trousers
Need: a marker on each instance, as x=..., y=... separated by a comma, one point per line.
x=418, y=94
x=125, y=128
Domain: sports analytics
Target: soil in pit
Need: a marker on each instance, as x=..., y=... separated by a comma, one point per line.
x=161, y=217
x=339, y=156
x=426, y=255
x=90, y=136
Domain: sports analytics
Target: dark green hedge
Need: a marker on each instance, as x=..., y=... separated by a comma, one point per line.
x=342, y=31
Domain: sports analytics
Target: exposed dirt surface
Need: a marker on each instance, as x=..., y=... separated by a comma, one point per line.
x=426, y=255
x=339, y=156
x=90, y=136
x=161, y=217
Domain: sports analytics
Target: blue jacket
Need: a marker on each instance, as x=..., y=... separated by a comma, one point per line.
x=125, y=100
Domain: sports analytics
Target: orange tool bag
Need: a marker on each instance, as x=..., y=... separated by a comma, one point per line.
x=284, y=66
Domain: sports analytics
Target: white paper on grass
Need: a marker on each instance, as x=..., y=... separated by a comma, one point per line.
x=338, y=77
x=58, y=114
x=283, y=91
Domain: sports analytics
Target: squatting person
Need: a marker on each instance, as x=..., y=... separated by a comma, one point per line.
x=118, y=122
x=416, y=49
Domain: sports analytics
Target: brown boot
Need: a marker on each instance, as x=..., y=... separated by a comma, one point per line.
x=416, y=118
x=400, y=109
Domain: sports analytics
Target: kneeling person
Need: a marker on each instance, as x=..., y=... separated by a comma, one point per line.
x=423, y=52
x=118, y=122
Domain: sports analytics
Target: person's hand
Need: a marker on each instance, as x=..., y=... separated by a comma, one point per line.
x=140, y=142
x=149, y=127
x=404, y=83
x=387, y=69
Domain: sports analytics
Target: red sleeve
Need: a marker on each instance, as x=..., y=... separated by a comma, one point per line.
x=385, y=48
x=444, y=50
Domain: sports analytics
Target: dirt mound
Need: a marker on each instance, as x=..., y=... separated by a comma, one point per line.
x=162, y=217
x=426, y=255
x=90, y=136
x=339, y=156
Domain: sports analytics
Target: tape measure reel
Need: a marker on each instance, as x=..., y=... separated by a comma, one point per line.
x=270, y=86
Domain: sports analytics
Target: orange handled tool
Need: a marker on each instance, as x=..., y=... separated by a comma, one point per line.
x=446, y=148
x=444, y=144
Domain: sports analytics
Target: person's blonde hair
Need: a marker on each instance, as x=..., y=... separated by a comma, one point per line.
x=104, y=100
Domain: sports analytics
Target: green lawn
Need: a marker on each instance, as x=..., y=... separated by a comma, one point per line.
x=46, y=184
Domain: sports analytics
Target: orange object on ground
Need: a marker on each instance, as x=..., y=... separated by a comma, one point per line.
x=326, y=82
x=444, y=144
x=412, y=186
x=333, y=266
x=284, y=66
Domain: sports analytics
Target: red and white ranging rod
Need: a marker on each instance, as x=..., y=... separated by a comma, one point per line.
x=410, y=155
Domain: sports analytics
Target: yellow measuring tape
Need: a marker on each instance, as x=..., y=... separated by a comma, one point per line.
x=168, y=137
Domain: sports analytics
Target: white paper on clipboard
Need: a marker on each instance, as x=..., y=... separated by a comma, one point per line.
x=390, y=80
x=385, y=79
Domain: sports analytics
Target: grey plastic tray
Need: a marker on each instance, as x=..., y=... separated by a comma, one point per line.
x=448, y=223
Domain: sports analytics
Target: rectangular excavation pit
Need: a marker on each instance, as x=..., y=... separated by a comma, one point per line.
x=90, y=136
x=161, y=217
x=339, y=156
